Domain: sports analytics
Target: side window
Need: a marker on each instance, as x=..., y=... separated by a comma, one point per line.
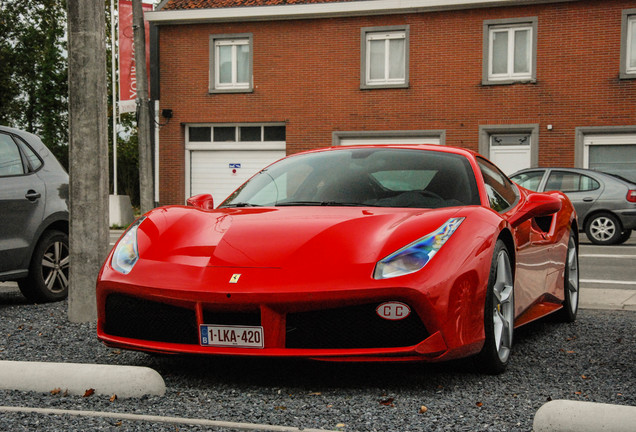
x=570, y=182
x=501, y=191
x=34, y=160
x=10, y=159
x=385, y=57
x=588, y=184
x=510, y=50
x=529, y=180
x=230, y=63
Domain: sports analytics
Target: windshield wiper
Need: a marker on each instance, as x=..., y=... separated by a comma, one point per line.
x=342, y=204
x=298, y=203
x=241, y=204
x=322, y=203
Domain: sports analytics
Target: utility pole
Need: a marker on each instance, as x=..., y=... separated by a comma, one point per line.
x=88, y=154
x=113, y=73
x=146, y=195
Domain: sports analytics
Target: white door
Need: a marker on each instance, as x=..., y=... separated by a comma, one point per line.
x=510, y=152
x=220, y=172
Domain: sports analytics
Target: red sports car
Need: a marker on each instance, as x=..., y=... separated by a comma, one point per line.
x=365, y=253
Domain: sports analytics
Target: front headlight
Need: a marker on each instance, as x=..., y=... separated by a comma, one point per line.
x=126, y=253
x=414, y=256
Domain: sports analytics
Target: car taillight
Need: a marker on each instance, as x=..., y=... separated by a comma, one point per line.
x=631, y=196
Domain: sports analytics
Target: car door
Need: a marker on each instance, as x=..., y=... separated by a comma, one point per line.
x=582, y=190
x=22, y=198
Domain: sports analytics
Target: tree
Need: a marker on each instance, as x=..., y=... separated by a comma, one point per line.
x=9, y=90
x=34, y=70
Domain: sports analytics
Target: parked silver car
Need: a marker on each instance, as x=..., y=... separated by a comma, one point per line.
x=34, y=217
x=605, y=203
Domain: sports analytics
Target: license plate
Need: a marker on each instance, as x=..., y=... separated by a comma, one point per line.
x=231, y=336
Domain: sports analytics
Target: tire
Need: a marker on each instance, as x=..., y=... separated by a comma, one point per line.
x=570, y=283
x=624, y=237
x=499, y=311
x=48, y=273
x=603, y=229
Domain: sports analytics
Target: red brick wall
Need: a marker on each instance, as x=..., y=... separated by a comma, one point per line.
x=307, y=74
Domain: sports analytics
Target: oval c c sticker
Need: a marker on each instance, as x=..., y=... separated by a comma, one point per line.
x=393, y=311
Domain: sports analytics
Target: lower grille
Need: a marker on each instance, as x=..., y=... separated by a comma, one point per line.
x=352, y=327
x=136, y=318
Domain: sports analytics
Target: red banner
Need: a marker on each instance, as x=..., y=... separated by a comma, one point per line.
x=127, y=65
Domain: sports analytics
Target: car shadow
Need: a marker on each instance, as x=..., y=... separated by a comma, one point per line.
x=304, y=375
x=11, y=296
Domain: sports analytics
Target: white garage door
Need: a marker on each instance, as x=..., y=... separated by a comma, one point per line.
x=613, y=153
x=221, y=157
x=220, y=172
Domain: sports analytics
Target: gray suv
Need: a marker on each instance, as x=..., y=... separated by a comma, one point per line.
x=34, y=196
x=604, y=203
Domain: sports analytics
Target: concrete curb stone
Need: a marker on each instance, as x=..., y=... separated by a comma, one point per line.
x=77, y=378
x=577, y=416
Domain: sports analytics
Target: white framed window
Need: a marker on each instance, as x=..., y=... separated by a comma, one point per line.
x=628, y=44
x=510, y=51
x=231, y=63
x=241, y=136
x=384, y=57
x=631, y=45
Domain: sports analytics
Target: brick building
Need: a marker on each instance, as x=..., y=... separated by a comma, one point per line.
x=525, y=83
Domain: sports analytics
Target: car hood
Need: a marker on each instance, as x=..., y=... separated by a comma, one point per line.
x=282, y=237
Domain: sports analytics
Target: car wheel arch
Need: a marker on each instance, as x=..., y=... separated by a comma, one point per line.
x=57, y=222
x=577, y=229
x=594, y=213
x=506, y=236
x=612, y=238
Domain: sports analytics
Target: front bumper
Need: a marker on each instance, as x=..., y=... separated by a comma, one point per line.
x=347, y=329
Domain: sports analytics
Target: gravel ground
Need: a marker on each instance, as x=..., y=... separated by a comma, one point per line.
x=590, y=360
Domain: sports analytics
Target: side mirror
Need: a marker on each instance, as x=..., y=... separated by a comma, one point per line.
x=201, y=201
x=536, y=205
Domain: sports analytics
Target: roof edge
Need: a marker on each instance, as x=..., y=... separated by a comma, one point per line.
x=324, y=10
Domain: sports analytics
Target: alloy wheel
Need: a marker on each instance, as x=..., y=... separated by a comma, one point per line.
x=603, y=228
x=503, y=307
x=55, y=266
x=573, y=275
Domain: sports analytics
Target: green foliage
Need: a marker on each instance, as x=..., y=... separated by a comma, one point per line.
x=127, y=160
x=8, y=87
x=34, y=70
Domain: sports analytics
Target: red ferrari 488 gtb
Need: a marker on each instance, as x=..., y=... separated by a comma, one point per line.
x=366, y=253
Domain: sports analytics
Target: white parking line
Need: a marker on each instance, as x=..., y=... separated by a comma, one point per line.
x=607, y=256
x=159, y=419
x=608, y=282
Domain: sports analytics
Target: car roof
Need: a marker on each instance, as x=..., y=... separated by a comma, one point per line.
x=591, y=172
x=27, y=135
x=34, y=141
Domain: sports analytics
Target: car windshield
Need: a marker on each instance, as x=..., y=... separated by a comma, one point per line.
x=373, y=177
